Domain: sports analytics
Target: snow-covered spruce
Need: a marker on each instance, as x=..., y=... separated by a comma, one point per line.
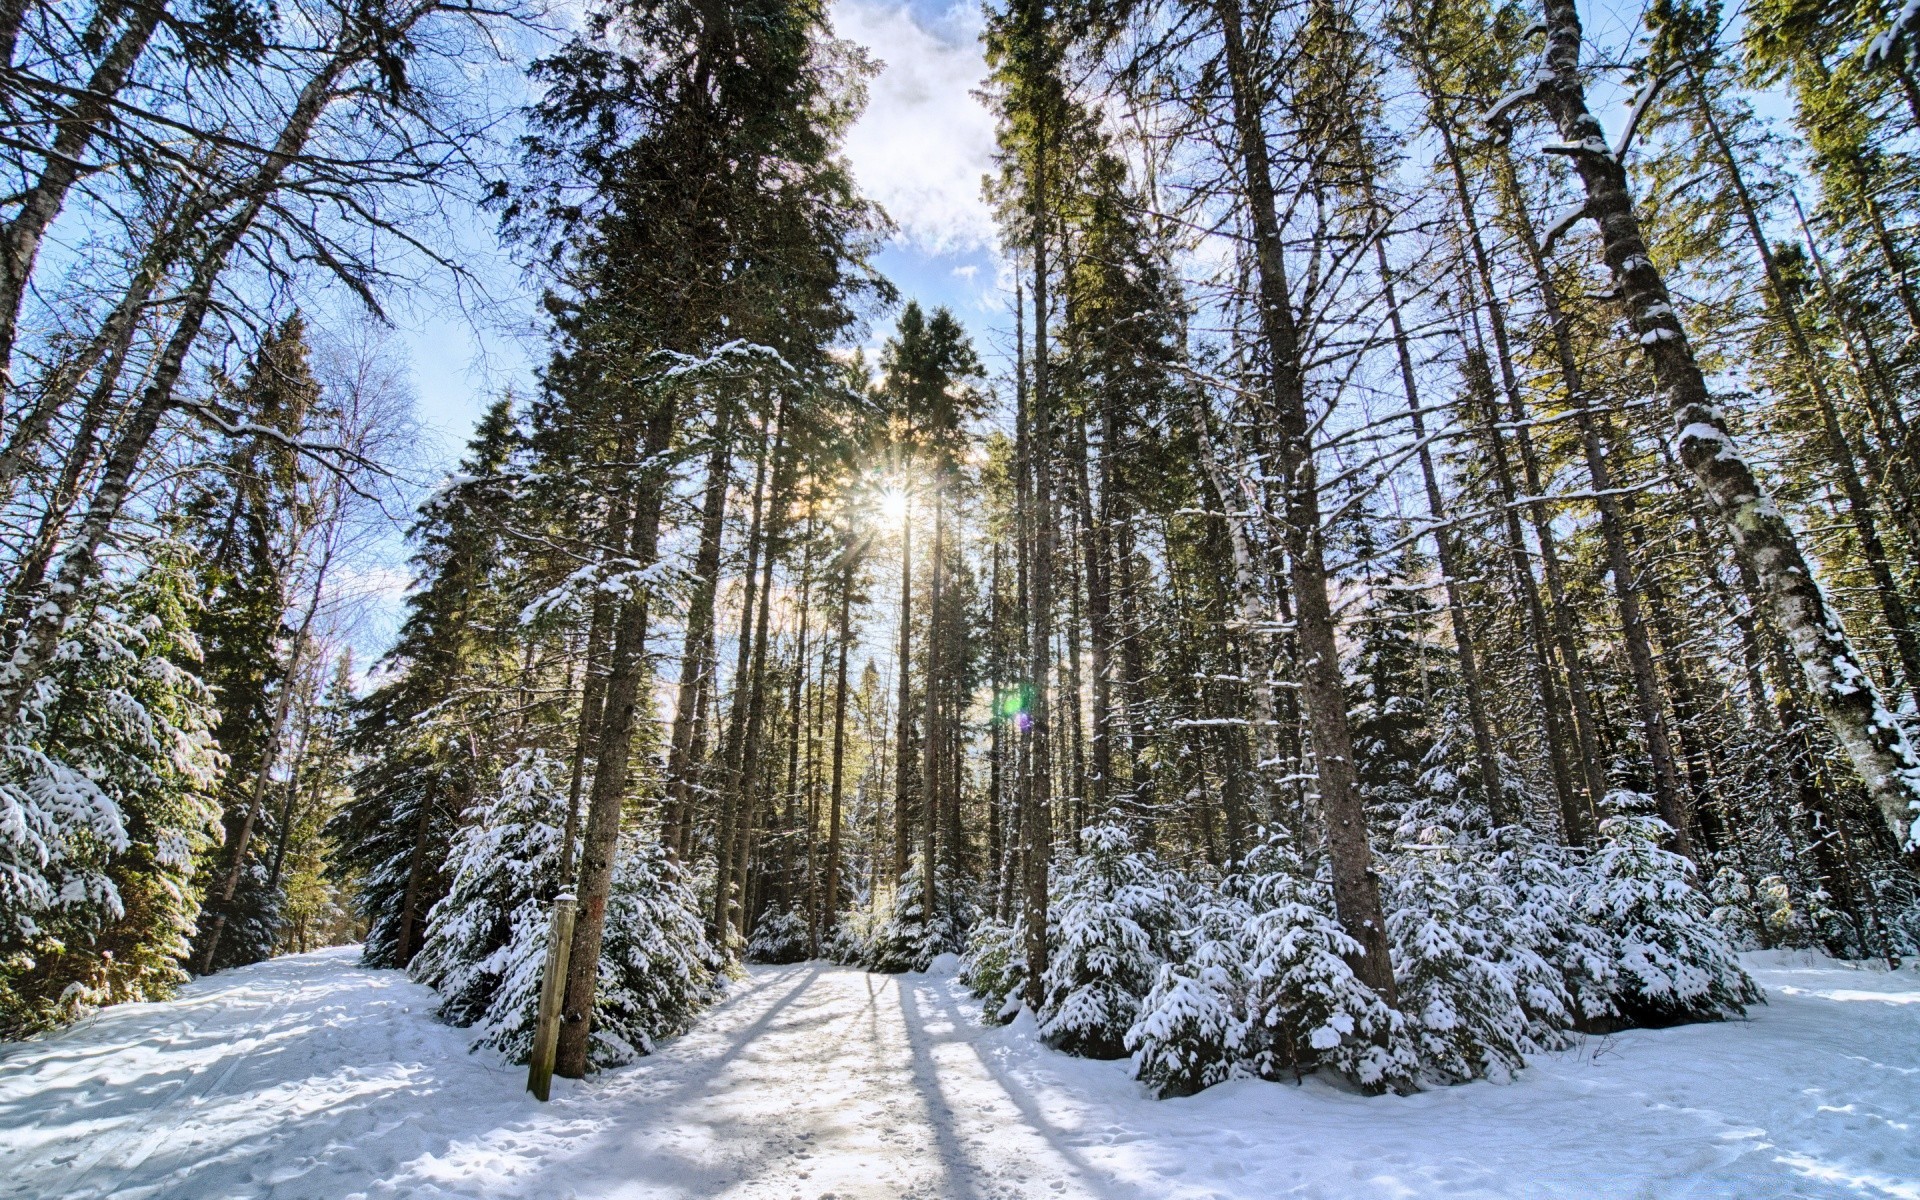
x=1671, y=963
x=994, y=967
x=486, y=941
x=1117, y=913
x=503, y=864
x=1459, y=975
x=905, y=939
x=1305, y=1006
x=1192, y=1029
x=107, y=804
x=1264, y=988
x=779, y=936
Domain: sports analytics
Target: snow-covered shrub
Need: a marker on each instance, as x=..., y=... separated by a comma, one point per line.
x=657, y=969
x=57, y=830
x=504, y=863
x=779, y=936
x=1192, y=1028
x=1305, y=1006
x=486, y=942
x=847, y=943
x=107, y=789
x=1117, y=911
x=1671, y=962
x=994, y=967
x=1458, y=973
x=905, y=939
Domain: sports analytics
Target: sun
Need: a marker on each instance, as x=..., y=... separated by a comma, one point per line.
x=893, y=503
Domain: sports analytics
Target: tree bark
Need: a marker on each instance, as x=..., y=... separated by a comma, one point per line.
x=628, y=673
x=1356, y=888
x=1613, y=530
x=696, y=668
x=21, y=237
x=1446, y=544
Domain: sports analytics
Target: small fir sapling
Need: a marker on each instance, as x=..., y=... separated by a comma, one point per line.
x=486, y=942
x=1306, y=1007
x=658, y=971
x=1192, y=1029
x=1118, y=911
x=504, y=865
x=1459, y=979
x=905, y=940
x=994, y=968
x=779, y=936
x=1672, y=964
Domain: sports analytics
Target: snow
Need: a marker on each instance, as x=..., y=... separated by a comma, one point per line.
x=311, y=1077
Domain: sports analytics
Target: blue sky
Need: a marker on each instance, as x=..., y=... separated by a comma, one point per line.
x=921, y=150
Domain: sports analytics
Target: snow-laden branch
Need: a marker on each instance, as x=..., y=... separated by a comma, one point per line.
x=1641, y=104
x=1502, y=111
x=1889, y=49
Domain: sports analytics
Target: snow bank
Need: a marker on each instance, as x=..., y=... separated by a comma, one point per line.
x=310, y=1077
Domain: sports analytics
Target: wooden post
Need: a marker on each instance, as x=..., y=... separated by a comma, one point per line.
x=546, y=1030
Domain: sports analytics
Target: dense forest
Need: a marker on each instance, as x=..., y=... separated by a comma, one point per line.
x=1435, y=569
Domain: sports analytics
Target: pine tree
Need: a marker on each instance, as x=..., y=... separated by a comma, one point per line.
x=1117, y=913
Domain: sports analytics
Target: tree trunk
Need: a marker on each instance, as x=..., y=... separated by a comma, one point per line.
x=695, y=667
x=843, y=639
x=628, y=674
x=1613, y=531
x=930, y=748
x=732, y=804
x=21, y=237
x=1355, y=886
x=1037, y=829
x=1446, y=544
x=1893, y=606
x=903, y=710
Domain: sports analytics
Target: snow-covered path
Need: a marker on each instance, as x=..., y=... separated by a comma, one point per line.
x=309, y=1077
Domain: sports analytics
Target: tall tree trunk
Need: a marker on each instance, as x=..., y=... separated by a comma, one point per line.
x=930, y=758
x=1893, y=606
x=750, y=773
x=1446, y=543
x=1099, y=622
x=92, y=108
x=696, y=668
x=842, y=640
x=628, y=674
x=1037, y=832
x=1613, y=528
x=1356, y=887
x=1575, y=815
x=733, y=748
x=1565, y=634
x=903, y=710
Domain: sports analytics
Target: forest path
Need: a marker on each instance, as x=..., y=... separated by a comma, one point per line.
x=310, y=1077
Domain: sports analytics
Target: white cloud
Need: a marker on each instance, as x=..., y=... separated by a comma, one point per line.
x=924, y=142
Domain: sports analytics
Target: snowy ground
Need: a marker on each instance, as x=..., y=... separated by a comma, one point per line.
x=309, y=1077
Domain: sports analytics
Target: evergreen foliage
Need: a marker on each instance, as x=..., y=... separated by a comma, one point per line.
x=1670, y=962
x=106, y=800
x=1117, y=912
x=905, y=939
x=779, y=936
x=486, y=940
